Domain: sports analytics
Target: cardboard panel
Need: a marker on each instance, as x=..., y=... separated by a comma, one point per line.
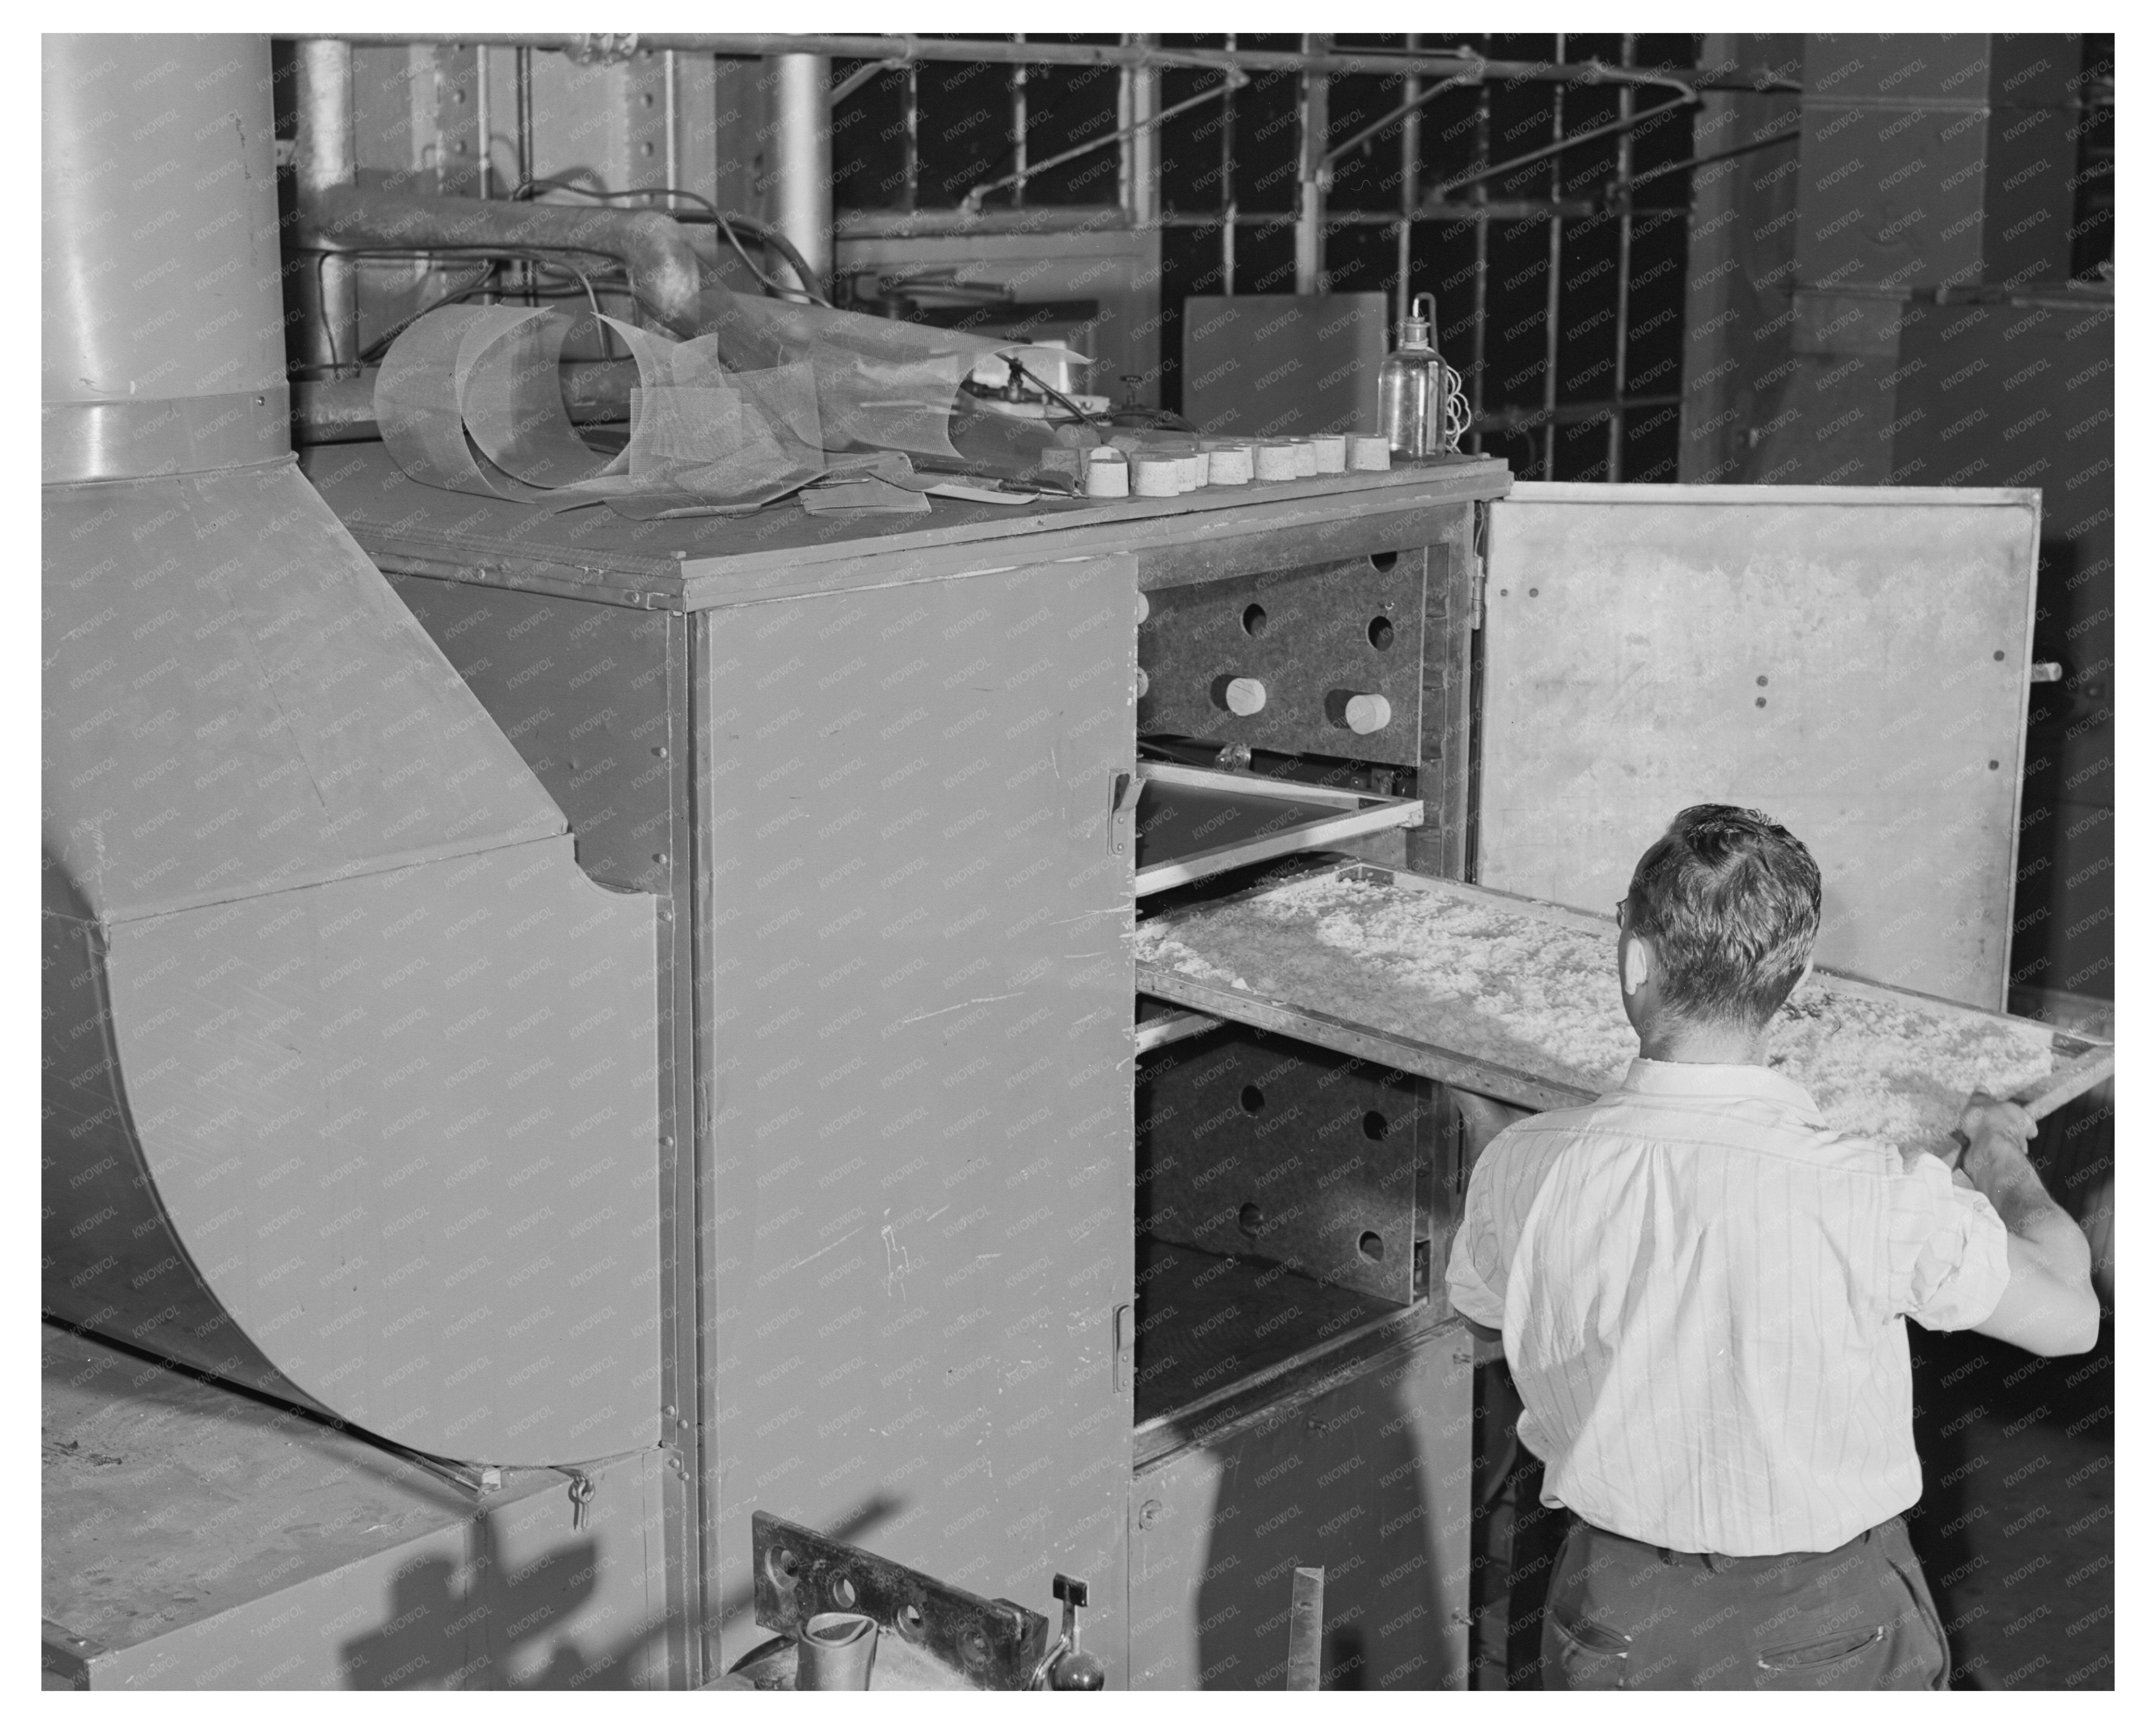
x=1279, y=365
x=1855, y=663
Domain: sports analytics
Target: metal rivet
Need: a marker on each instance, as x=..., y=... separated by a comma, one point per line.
x=1761, y=701
x=1994, y=766
x=1149, y=1512
x=660, y=750
x=1534, y=592
x=2001, y=653
x=1763, y=682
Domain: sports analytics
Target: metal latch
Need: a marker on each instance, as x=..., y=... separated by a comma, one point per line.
x=1123, y=794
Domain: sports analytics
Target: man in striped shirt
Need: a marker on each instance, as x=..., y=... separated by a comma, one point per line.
x=1701, y=1288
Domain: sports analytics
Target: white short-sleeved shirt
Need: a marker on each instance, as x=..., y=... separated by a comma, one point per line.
x=1700, y=1287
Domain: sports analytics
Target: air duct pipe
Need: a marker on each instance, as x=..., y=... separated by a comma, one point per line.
x=324, y=155
x=163, y=345
x=648, y=243
x=334, y=1027
x=798, y=201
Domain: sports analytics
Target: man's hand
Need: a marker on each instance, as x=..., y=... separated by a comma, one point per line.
x=1997, y=1133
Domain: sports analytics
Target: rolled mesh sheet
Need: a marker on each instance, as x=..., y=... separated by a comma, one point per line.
x=773, y=397
x=469, y=398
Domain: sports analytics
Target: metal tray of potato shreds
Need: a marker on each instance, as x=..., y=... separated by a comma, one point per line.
x=1518, y=999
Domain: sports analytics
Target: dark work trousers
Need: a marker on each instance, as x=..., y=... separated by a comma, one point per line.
x=1624, y=1614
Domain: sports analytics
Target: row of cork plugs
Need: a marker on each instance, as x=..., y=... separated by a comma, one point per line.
x=1130, y=468
x=1246, y=697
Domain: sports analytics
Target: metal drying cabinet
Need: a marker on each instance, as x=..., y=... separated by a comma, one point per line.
x=881, y=778
x=971, y=1265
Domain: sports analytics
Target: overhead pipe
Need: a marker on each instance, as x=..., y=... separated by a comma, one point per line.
x=649, y=243
x=342, y=409
x=1313, y=177
x=906, y=49
x=799, y=198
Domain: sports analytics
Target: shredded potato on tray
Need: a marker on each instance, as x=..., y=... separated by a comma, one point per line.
x=1540, y=997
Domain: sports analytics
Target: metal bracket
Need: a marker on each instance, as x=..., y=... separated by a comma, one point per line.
x=992, y=1644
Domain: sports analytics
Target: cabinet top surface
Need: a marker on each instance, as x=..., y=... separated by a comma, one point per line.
x=782, y=551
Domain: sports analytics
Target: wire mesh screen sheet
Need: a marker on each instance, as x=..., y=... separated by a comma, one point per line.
x=1853, y=662
x=770, y=399
x=1518, y=999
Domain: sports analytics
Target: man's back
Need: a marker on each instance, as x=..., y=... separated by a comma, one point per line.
x=1700, y=1285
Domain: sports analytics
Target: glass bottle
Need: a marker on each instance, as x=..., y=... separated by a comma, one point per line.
x=1411, y=385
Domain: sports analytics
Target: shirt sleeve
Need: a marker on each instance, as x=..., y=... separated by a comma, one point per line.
x=1475, y=1273
x=1948, y=1245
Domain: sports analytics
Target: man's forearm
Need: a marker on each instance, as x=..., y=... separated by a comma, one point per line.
x=2016, y=1192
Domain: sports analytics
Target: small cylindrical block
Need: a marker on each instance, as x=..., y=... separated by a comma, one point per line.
x=1331, y=453
x=1362, y=714
x=1305, y=458
x=1369, y=454
x=1277, y=461
x=1230, y=463
x=1193, y=470
x=1145, y=682
x=1245, y=696
x=1156, y=476
x=1107, y=474
x=1145, y=607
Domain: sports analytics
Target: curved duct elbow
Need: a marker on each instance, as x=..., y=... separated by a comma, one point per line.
x=650, y=246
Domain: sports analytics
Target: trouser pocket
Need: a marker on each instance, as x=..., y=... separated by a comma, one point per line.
x=1578, y=1654
x=1851, y=1658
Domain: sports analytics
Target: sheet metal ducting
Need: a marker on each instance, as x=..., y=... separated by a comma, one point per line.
x=350, y=1070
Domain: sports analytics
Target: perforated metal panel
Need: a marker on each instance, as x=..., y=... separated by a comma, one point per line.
x=1853, y=662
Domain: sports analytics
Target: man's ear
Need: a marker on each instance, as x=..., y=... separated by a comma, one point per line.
x=1636, y=960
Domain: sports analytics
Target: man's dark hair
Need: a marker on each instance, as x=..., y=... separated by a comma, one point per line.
x=1732, y=902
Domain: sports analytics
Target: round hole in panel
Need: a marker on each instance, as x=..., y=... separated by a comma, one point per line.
x=1380, y=632
x=911, y=1622
x=1383, y=561
x=1371, y=1247
x=1375, y=1126
x=1253, y=620
x=1254, y=1098
x=843, y=1595
x=1250, y=1218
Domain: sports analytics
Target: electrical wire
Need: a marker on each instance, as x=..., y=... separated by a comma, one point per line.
x=1050, y=391
x=543, y=261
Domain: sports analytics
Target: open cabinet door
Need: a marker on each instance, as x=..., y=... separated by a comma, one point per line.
x=1852, y=661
